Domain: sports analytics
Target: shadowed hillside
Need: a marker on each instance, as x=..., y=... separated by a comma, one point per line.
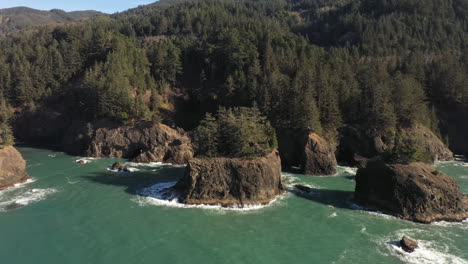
x=18, y=18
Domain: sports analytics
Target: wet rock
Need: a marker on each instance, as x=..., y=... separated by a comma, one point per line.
x=231, y=181
x=408, y=245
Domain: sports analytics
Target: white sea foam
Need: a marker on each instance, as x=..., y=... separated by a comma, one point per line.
x=17, y=186
x=85, y=160
x=363, y=229
x=368, y=211
x=333, y=215
x=152, y=164
x=427, y=253
x=71, y=182
x=347, y=169
x=463, y=224
x=25, y=198
x=154, y=195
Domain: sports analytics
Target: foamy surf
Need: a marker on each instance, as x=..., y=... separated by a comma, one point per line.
x=347, y=169
x=427, y=253
x=24, y=198
x=157, y=195
x=355, y=206
x=85, y=160
x=16, y=186
x=152, y=164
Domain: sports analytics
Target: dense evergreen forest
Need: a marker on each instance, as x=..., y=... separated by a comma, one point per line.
x=314, y=64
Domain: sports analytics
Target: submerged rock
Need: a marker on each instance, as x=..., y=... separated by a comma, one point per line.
x=144, y=142
x=408, y=245
x=303, y=188
x=414, y=191
x=231, y=181
x=12, y=168
x=307, y=151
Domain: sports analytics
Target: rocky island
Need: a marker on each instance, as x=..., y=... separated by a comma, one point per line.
x=237, y=167
x=413, y=191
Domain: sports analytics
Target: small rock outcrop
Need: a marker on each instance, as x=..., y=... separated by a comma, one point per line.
x=144, y=142
x=12, y=168
x=307, y=151
x=414, y=191
x=117, y=166
x=408, y=244
x=231, y=181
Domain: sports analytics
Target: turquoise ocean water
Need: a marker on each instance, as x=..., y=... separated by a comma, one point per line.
x=72, y=213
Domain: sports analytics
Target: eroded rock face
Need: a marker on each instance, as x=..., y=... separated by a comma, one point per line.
x=414, y=191
x=307, y=151
x=144, y=142
x=12, y=168
x=319, y=156
x=231, y=182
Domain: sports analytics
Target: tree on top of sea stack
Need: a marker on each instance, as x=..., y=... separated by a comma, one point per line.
x=242, y=167
x=235, y=133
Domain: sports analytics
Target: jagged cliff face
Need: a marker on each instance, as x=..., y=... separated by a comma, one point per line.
x=307, y=151
x=414, y=143
x=144, y=142
x=231, y=181
x=414, y=191
x=12, y=168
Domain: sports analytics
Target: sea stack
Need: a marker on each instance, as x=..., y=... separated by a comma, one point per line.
x=12, y=168
x=143, y=142
x=231, y=181
x=413, y=191
x=306, y=150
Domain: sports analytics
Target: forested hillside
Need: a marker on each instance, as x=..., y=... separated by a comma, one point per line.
x=18, y=18
x=321, y=65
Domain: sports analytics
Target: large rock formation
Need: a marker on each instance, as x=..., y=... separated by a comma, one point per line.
x=307, y=151
x=414, y=191
x=410, y=143
x=12, y=168
x=144, y=142
x=231, y=182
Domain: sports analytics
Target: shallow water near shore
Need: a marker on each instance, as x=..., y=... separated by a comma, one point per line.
x=73, y=213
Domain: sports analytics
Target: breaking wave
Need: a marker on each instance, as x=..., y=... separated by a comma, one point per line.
x=11, y=201
x=428, y=252
x=157, y=195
